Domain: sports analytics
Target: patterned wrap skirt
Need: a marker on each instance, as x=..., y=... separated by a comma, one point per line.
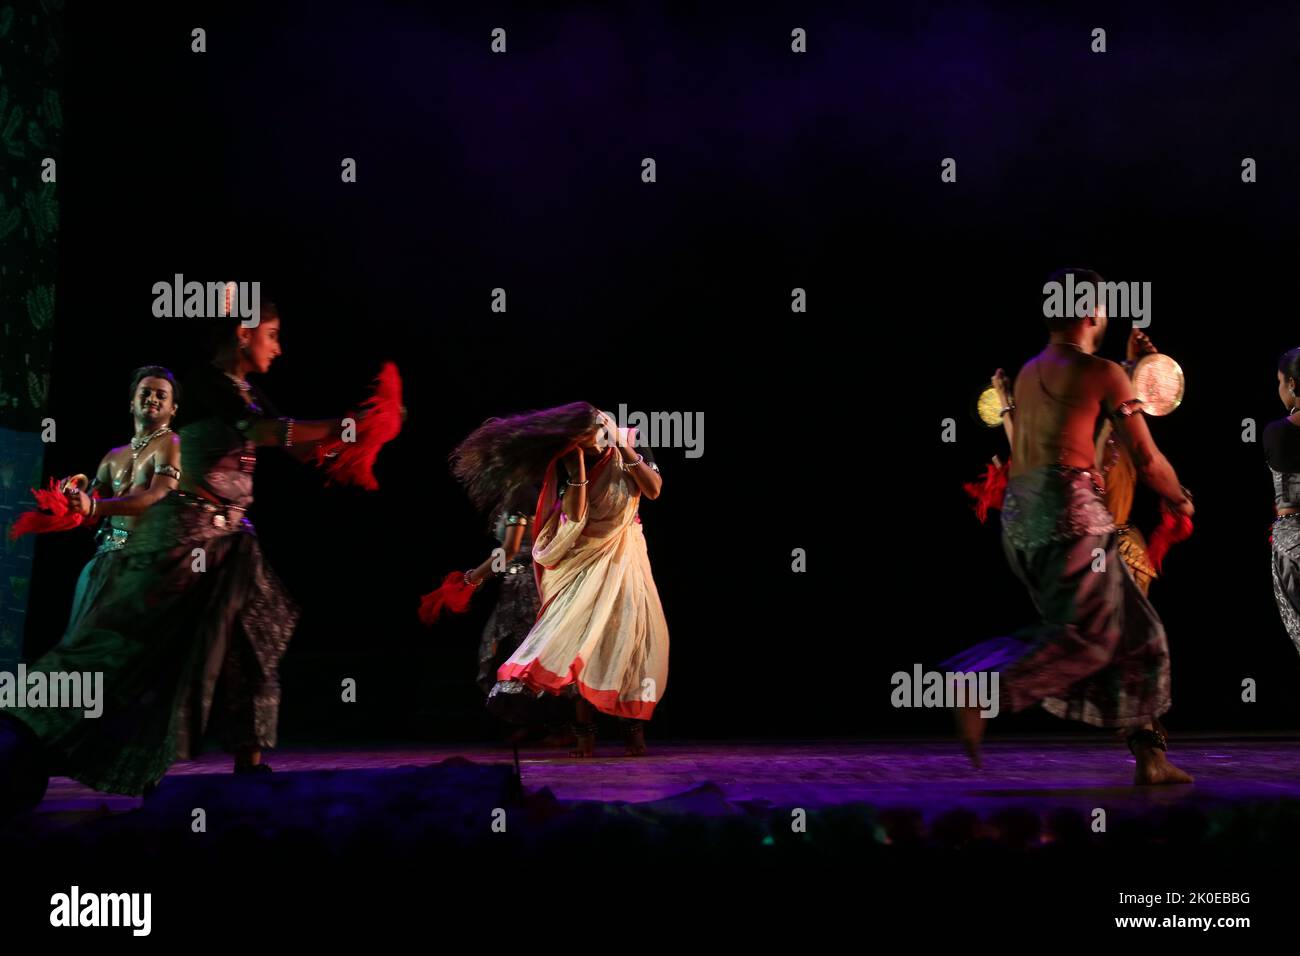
x=1099, y=654
x=1285, y=542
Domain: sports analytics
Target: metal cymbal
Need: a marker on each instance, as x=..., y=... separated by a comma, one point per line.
x=988, y=407
x=1159, y=381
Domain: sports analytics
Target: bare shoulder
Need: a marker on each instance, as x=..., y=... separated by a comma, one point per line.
x=169, y=449
x=1104, y=370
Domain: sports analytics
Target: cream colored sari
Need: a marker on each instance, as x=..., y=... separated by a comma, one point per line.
x=601, y=628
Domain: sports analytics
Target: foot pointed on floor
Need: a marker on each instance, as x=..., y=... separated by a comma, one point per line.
x=970, y=730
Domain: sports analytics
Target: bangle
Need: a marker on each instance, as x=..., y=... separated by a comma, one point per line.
x=1008, y=408
x=288, y=432
x=94, y=506
x=577, y=484
x=472, y=584
x=1127, y=409
x=628, y=466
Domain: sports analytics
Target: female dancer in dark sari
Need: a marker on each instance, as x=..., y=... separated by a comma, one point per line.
x=512, y=617
x=251, y=617
x=193, y=598
x=1282, y=451
x=515, y=607
x=517, y=601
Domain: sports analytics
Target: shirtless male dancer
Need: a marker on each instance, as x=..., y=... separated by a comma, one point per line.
x=1099, y=655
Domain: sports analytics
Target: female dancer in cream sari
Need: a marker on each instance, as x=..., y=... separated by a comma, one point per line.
x=601, y=634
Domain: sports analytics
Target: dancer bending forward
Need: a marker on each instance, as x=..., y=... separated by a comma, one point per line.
x=601, y=634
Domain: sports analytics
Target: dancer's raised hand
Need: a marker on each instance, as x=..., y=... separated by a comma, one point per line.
x=1002, y=385
x=1139, y=344
x=606, y=430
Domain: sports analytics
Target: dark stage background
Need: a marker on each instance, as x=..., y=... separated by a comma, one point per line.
x=775, y=171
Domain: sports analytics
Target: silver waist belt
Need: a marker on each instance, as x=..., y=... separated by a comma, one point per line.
x=221, y=516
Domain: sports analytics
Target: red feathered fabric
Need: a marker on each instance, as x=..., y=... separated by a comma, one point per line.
x=52, y=514
x=1172, y=529
x=989, y=490
x=378, y=423
x=453, y=595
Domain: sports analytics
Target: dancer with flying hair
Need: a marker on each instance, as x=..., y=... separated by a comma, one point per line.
x=600, y=636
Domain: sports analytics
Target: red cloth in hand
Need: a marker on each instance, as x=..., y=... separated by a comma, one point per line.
x=52, y=514
x=989, y=490
x=453, y=595
x=1172, y=529
x=378, y=422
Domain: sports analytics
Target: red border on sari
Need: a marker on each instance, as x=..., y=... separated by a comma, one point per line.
x=537, y=677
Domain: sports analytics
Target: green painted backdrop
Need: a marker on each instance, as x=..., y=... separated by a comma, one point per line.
x=31, y=129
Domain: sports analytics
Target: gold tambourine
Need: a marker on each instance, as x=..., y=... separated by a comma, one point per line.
x=988, y=407
x=1159, y=381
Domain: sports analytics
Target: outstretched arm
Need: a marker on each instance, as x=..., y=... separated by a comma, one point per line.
x=292, y=433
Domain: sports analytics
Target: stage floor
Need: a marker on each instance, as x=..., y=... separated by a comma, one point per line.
x=929, y=776
x=910, y=822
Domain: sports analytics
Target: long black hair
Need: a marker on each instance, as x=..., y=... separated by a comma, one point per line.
x=505, y=454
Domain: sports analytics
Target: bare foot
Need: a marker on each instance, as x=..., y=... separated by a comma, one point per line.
x=250, y=761
x=558, y=740
x=970, y=730
x=586, y=742
x=1154, y=769
x=635, y=738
